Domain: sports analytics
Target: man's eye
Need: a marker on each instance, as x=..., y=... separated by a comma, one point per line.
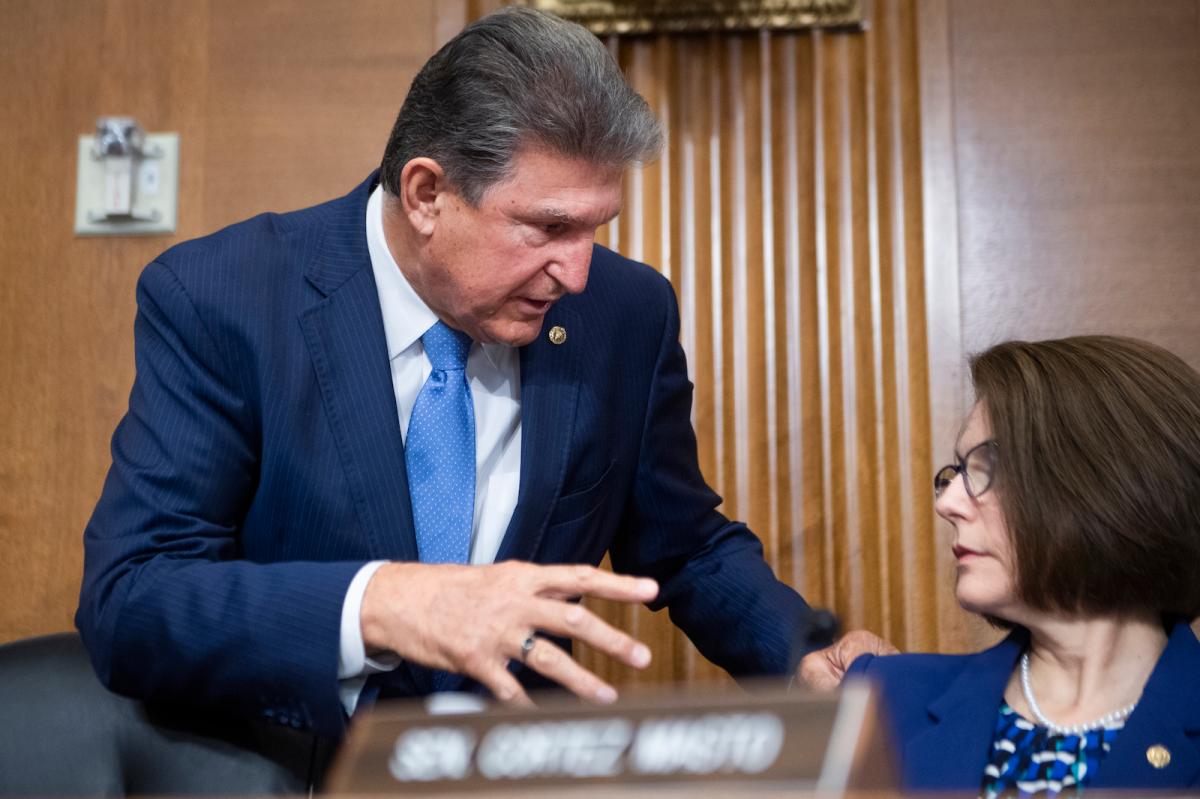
x=553, y=227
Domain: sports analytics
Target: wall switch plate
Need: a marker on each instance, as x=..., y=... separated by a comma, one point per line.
x=110, y=201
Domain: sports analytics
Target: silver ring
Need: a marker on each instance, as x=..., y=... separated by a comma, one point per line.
x=527, y=647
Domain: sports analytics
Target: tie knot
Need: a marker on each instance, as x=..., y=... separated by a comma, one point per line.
x=446, y=347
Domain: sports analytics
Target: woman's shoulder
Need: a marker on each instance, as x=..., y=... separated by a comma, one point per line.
x=1174, y=676
x=885, y=668
x=936, y=670
x=914, y=690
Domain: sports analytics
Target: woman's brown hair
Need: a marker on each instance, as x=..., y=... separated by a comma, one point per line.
x=1099, y=472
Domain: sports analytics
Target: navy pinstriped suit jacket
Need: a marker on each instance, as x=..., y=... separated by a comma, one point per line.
x=260, y=464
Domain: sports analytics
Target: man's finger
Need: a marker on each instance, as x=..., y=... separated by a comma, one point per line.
x=573, y=581
x=504, y=686
x=859, y=642
x=824, y=669
x=577, y=622
x=819, y=673
x=553, y=663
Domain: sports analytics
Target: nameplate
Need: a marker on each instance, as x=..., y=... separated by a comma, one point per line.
x=790, y=739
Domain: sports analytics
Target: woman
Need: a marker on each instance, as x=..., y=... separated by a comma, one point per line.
x=1075, y=501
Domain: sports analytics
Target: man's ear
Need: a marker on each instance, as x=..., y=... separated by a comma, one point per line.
x=421, y=182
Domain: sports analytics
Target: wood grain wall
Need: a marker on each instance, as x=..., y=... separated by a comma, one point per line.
x=1077, y=140
x=278, y=103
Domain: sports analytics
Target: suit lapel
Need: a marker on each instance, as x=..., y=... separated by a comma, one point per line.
x=955, y=746
x=345, y=338
x=549, y=390
x=1168, y=710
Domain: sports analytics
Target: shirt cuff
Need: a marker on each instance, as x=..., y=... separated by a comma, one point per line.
x=352, y=657
x=353, y=664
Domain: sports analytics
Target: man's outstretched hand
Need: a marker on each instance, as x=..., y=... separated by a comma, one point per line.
x=473, y=620
x=823, y=670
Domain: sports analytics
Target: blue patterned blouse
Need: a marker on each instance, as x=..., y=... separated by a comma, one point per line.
x=1029, y=760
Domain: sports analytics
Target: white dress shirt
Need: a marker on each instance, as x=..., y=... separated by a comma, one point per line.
x=494, y=375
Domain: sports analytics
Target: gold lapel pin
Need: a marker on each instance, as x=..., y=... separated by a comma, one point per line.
x=557, y=334
x=1159, y=756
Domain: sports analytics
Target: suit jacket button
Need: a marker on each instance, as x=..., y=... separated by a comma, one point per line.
x=1159, y=756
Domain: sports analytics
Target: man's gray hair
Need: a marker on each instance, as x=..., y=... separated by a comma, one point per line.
x=516, y=78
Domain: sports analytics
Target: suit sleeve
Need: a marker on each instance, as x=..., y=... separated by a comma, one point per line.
x=714, y=581
x=169, y=608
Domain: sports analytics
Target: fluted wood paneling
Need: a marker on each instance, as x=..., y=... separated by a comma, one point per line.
x=787, y=213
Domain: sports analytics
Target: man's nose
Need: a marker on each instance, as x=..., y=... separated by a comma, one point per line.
x=570, y=268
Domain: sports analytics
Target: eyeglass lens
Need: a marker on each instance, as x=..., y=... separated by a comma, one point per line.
x=976, y=468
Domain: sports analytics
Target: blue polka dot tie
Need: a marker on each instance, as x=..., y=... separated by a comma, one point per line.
x=440, y=451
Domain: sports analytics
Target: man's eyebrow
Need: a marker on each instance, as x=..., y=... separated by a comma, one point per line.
x=566, y=218
x=555, y=213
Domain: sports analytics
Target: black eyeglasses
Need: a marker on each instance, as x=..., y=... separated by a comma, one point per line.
x=977, y=468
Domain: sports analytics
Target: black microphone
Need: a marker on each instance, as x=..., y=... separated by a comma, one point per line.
x=819, y=631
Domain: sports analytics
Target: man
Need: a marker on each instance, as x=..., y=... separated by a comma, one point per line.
x=356, y=428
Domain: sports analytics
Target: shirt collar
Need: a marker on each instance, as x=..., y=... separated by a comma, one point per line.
x=406, y=317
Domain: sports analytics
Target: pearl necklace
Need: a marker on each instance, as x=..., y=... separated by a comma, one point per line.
x=1073, y=729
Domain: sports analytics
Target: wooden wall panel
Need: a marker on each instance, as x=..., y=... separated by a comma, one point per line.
x=1075, y=137
x=278, y=104
x=787, y=211
x=66, y=304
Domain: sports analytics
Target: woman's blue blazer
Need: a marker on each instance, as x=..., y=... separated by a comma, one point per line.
x=941, y=713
